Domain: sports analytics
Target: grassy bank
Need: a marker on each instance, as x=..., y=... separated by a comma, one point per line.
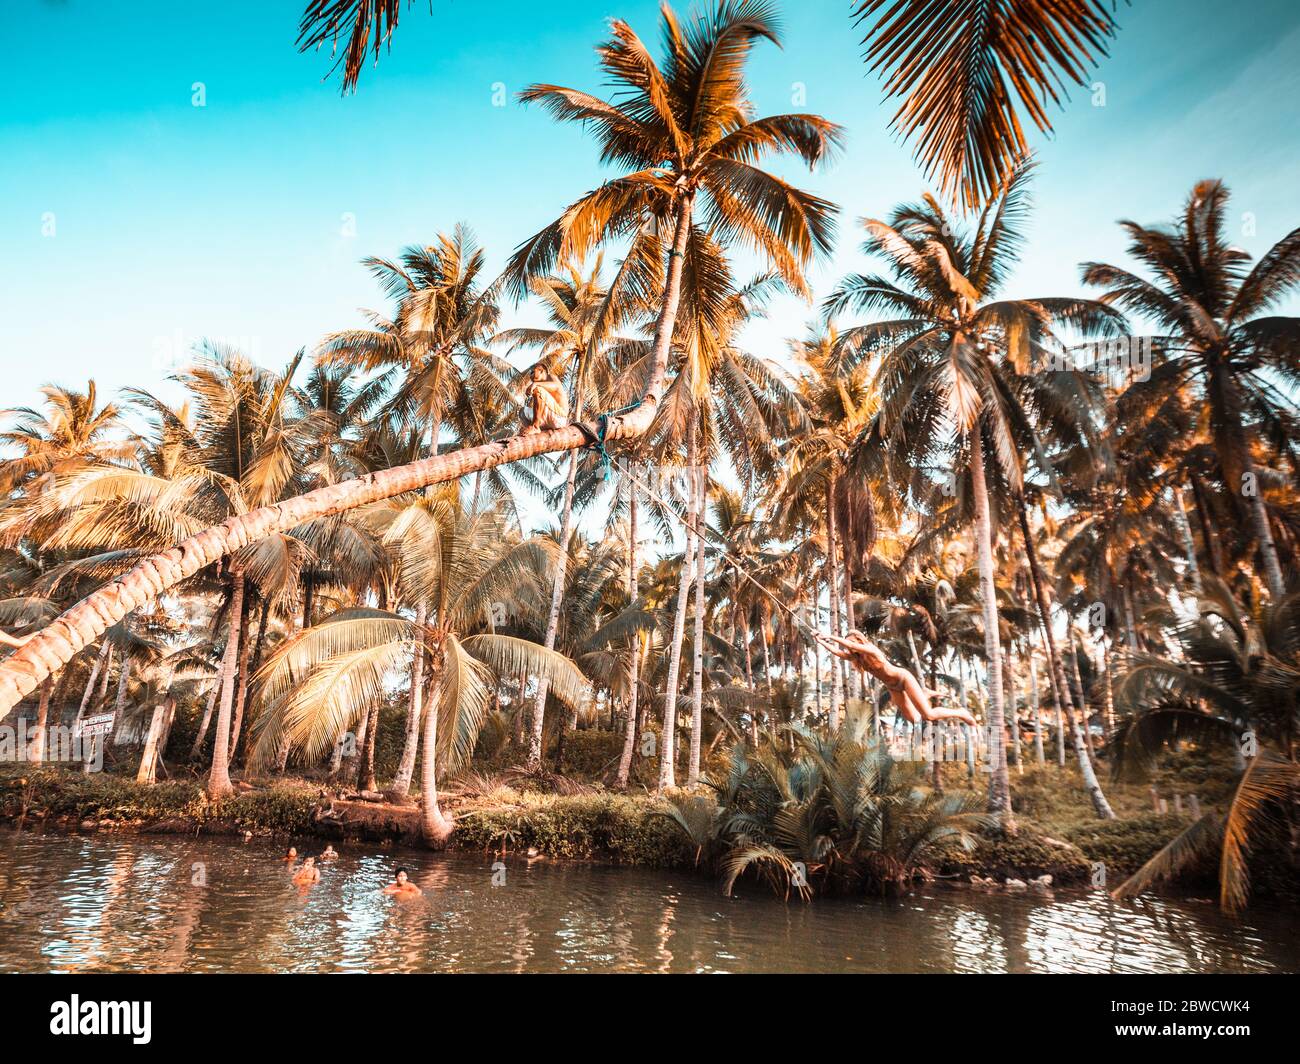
x=1059, y=834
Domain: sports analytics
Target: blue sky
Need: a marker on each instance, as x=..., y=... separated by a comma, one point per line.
x=172, y=222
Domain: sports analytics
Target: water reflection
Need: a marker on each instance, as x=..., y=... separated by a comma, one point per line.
x=144, y=904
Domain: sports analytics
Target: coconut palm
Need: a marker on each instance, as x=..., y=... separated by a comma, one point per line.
x=963, y=378
x=320, y=683
x=686, y=130
x=583, y=319
x=1220, y=338
x=73, y=433
x=1233, y=684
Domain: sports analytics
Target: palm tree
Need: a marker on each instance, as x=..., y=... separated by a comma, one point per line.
x=961, y=387
x=583, y=318
x=238, y=450
x=966, y=72
x=1233, y=684
x=73, y=433
x=323, y=681
x=687, y=132
x=1219, y=340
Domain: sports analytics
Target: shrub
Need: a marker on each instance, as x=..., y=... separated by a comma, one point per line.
x=614, y=827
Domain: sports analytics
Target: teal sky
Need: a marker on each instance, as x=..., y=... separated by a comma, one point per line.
x=173, y=222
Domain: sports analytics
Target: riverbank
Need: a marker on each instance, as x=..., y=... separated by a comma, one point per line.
x=594, y=824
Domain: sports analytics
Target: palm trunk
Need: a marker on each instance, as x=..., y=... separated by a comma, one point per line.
x=1037, y=708
x=1189, y=544
x=854, y=679
x=668, y=744
x=697, y=651
x=36, y=748
x=102, y=695
x=634, y=663
x=366, y=778
x=436, y=827
x=204, y=724
x=1213, y=549
x=1076, y=677
x=837, y=674
x=95, y=669
x=1060, y=686
x=553, y=618
x=967, y=730
x=1013, y=707
x=219, y=784
x=157, y=723
x=1260, y=526
x=401, y=787
x=119, y=700
x=241, y=688
x=999, y=782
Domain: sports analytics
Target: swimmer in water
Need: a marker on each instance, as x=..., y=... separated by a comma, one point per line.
x=329, y=853
x=290, y=855
x=308, y=873
x=402, y=887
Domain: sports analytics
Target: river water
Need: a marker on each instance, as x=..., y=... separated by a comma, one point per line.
x=160, y=904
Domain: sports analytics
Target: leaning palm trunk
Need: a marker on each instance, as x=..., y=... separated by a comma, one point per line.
x=1263, y=534
x=697, y=665
x=1060, y=685
x=219, y=783
x=553, y=618
x=54, y=646
x=999, y=781
x=410, y=748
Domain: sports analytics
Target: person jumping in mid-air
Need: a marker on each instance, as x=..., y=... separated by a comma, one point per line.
x=905, y=690
x=550, y=403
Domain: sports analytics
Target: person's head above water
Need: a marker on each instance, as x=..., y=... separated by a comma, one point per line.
x=291, y=852
x=309, y=861
x=401, y=876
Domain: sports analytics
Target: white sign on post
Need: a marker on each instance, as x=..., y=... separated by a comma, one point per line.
x=99, y=724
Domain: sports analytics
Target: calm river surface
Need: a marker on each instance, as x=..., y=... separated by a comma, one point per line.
x=70, y=903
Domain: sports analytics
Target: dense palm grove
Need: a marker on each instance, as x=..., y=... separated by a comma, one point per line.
x=1078, y=517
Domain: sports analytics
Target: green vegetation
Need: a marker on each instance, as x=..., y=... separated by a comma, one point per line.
x=321, y=568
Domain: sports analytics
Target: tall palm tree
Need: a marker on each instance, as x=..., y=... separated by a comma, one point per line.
x=686, y=130
x=1219, y=338
x=962, y=381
